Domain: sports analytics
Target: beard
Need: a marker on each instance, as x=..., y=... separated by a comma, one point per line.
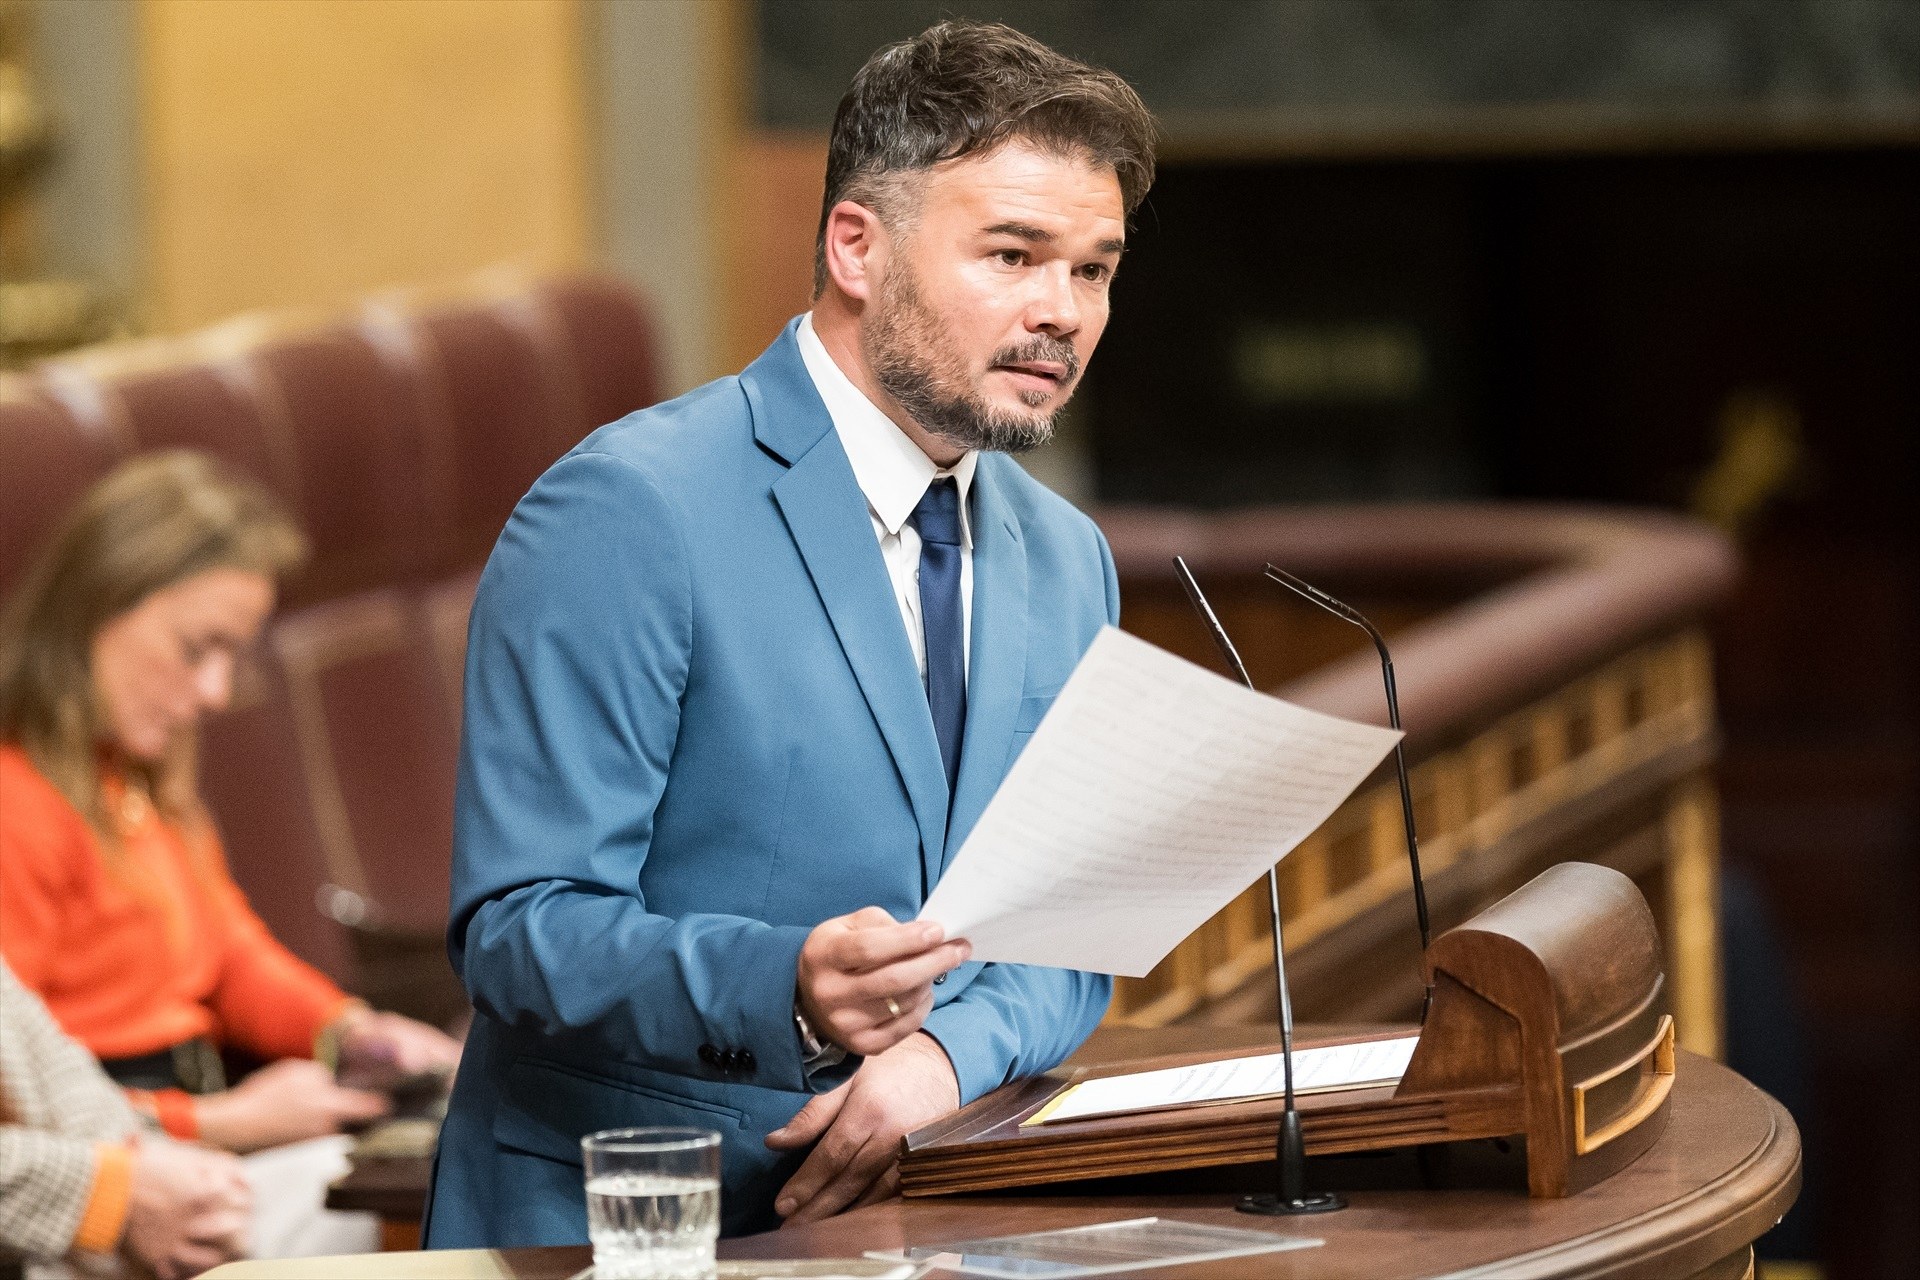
x=914, y=360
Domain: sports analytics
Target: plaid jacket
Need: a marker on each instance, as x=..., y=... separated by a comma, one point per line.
x=56, y=1104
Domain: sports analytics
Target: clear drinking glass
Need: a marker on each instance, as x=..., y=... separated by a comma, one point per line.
x=653, y=1202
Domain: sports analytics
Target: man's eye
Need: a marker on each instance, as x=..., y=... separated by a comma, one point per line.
x=1095, y=272
x=1011, y=257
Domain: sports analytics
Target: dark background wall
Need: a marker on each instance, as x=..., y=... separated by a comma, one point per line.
x=1370, y=61
x=1731, y=332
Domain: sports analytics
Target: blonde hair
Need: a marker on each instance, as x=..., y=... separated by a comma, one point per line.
x=153, y=521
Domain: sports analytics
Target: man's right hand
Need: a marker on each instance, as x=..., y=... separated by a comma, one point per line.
x=285, y=1101
x=187, y=1209
x=851, y=966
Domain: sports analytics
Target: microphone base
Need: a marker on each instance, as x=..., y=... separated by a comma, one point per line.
x=1273, y=1206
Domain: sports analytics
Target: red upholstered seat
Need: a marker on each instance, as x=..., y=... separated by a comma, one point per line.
x=207, y=405
x=377, y=740
x=444, y=609
x=603, y=331
x=372, y=502
x=253, y=780
x=401, y=436
x=47, y=460
x=507, y=405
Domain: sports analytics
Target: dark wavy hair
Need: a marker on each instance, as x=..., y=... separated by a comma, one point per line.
x=964, y=88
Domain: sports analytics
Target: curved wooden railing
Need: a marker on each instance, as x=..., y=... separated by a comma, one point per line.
x=1555, y=682
x=1556, y=687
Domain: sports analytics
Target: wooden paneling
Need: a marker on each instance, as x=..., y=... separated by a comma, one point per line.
x=1611, y=757
x=301, y=151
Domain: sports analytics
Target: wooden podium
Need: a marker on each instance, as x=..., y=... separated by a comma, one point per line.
x=1724, y=1171
x=1549, y=1024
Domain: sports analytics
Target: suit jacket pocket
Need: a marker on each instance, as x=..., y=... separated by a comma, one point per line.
x=550, y=1106
x=1032, y=711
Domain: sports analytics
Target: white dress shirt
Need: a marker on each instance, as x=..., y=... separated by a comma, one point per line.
x=893, y=473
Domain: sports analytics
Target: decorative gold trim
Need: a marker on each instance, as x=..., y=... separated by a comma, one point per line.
x=1648, y=1100
x=1693, y=915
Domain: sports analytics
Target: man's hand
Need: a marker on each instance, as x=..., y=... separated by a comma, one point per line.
x=857, y=1162
x=285, y=1101
x=187, y=1210
x=851, y=967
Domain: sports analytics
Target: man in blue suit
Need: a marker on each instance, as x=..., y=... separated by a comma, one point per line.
x=746, y=667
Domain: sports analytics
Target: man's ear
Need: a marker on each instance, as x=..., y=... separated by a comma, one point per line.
x=856, y=249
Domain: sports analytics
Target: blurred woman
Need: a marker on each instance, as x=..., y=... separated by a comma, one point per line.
x=116, y=906
x=83, y=1181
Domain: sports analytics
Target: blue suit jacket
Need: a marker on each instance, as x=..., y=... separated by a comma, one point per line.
x=694, y=730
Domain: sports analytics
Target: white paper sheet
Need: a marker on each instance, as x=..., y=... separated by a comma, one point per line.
x=1316, y=1070
x=1097, y=1249
x=1153, y=793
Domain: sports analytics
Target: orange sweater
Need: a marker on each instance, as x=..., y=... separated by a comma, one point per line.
x=133, y=961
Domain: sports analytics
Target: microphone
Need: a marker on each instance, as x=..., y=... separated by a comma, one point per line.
x=1292, y=1196
x=1347, y=612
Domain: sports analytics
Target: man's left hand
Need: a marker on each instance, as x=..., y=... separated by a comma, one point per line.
x=857, y=1161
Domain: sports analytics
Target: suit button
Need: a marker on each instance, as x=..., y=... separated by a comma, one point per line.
x=743, y=1061
x=942, y=978
x=711, y=1056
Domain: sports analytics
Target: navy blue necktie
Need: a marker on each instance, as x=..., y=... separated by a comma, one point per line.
x=937, y=519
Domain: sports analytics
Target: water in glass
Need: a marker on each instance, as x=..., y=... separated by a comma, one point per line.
x=652, y=1226
x=653, y=1203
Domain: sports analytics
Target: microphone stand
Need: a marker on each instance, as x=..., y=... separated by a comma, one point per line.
x=1293, y=1197
x=1348, y=613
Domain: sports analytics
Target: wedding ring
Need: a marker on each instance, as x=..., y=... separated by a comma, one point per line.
x=892, y=1007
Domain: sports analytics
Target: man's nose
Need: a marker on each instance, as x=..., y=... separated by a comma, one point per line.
x=1055, y=308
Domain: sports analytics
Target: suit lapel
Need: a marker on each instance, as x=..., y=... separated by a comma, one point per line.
x=996, y=674
x=827, y=515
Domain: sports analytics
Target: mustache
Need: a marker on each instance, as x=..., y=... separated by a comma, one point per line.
x=1038, y=348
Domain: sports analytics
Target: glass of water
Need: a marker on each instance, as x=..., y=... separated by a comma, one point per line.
x=653, y=1202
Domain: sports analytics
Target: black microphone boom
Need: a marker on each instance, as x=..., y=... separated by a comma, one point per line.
x=1293, y=1196
x=1347, y=612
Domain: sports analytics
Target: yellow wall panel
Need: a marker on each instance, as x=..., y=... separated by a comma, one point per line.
x=303, y=151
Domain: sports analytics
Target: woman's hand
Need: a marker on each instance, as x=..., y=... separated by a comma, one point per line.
x=379, y=1050
x=286, y=1101
x=187, y=1210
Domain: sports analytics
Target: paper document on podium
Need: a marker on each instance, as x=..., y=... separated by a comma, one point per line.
x=1321, y=1069
x=1150, y=796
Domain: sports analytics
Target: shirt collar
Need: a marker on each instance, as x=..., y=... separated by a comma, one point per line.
x=893, y=472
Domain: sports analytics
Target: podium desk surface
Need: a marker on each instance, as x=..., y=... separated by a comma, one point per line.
x=1724, y=1171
